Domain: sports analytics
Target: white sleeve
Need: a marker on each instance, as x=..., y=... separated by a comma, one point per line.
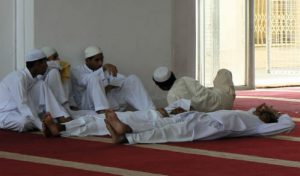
x=284, y=124
x=183, y=103
x=21, y=98
x=115, y=80
x=82, y=78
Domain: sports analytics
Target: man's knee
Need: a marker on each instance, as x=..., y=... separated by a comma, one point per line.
x=20, y=124
x=94, y=82
x=133, y=79
x=53, y=73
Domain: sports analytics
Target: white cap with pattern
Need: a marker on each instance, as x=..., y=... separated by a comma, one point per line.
x=48, y=51
x=161, y=74
x=92, y=51
x=34, y=54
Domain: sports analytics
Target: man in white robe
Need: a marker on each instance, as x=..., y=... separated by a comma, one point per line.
x=25, y=98
x=93, y=124
x=58, y=79
x=53, y=77
x=221, y=96
x=99, y=87
x=190, y=126
x=151, y=127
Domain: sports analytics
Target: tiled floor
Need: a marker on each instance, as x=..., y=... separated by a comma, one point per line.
x=277, y=78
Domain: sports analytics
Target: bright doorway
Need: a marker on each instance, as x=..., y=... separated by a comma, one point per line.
x=223, y=37
x=277, y=42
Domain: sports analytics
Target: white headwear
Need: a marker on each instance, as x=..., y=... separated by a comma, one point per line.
x=161, y=74
x=92, y=51
x=48, y=51
x=34, y=54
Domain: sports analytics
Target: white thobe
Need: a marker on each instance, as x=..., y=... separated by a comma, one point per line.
x=60, y=89
x=90, y=125
x=93, y=124
x=53, y=80
x=23, y=98
x=221, y=96
x=89, y=90
x=192, y=126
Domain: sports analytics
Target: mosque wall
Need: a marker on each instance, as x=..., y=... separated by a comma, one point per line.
x=135, y=35
x=7, y=62
x=184, y=38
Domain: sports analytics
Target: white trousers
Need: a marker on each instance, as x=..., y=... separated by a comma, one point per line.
x=132, y=92
x=89, y=125
x=182, y=127
x=40, y=100
x=53, y=80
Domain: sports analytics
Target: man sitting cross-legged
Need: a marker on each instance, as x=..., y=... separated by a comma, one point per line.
x=190, y=126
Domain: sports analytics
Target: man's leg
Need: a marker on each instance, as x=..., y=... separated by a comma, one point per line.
x=94, y=96
x=116, y=128
x=120, y=127
x=44, y=101
x=16, y=122
x=50, y=128
x=54, y=82
x=136, y=94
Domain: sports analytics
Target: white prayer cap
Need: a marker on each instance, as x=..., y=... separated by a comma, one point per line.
x=48, y=51
x=92, y=51
x=34, y=54
x=161, y=74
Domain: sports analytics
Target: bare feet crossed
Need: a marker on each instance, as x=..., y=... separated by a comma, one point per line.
x=50, y=128
x=116, y=128
x=116, y=138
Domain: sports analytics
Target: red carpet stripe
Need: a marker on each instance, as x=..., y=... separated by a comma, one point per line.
x=131, y=157
x=278, y=94
x=76, y=165
x=271, y=98
x=264, y=147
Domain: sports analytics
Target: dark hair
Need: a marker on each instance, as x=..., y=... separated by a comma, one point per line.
x=271, y=117
x=166, y=85
x=91, y=57
x=31, y=64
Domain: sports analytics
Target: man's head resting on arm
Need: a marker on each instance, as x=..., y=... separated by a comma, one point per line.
x=266, y=113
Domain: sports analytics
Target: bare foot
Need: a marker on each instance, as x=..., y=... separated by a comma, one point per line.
x=116, y=138
x=64, y=120
x=46, y=131
x=118, y=126
x=49, y=123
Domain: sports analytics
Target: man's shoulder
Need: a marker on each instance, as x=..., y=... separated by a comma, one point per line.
x=14, y=76
x=185, y=80
x=78, y=68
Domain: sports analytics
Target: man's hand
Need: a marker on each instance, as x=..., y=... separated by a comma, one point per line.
x=111, y=69
x=163, y=112
x=177, y=110
x=74, y=108
x=109, y=88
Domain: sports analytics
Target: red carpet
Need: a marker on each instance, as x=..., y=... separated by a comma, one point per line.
x=13, y=167
x=249, y=156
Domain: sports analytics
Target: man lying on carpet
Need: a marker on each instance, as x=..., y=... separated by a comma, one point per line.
x=190, y=126
x=93, y=124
